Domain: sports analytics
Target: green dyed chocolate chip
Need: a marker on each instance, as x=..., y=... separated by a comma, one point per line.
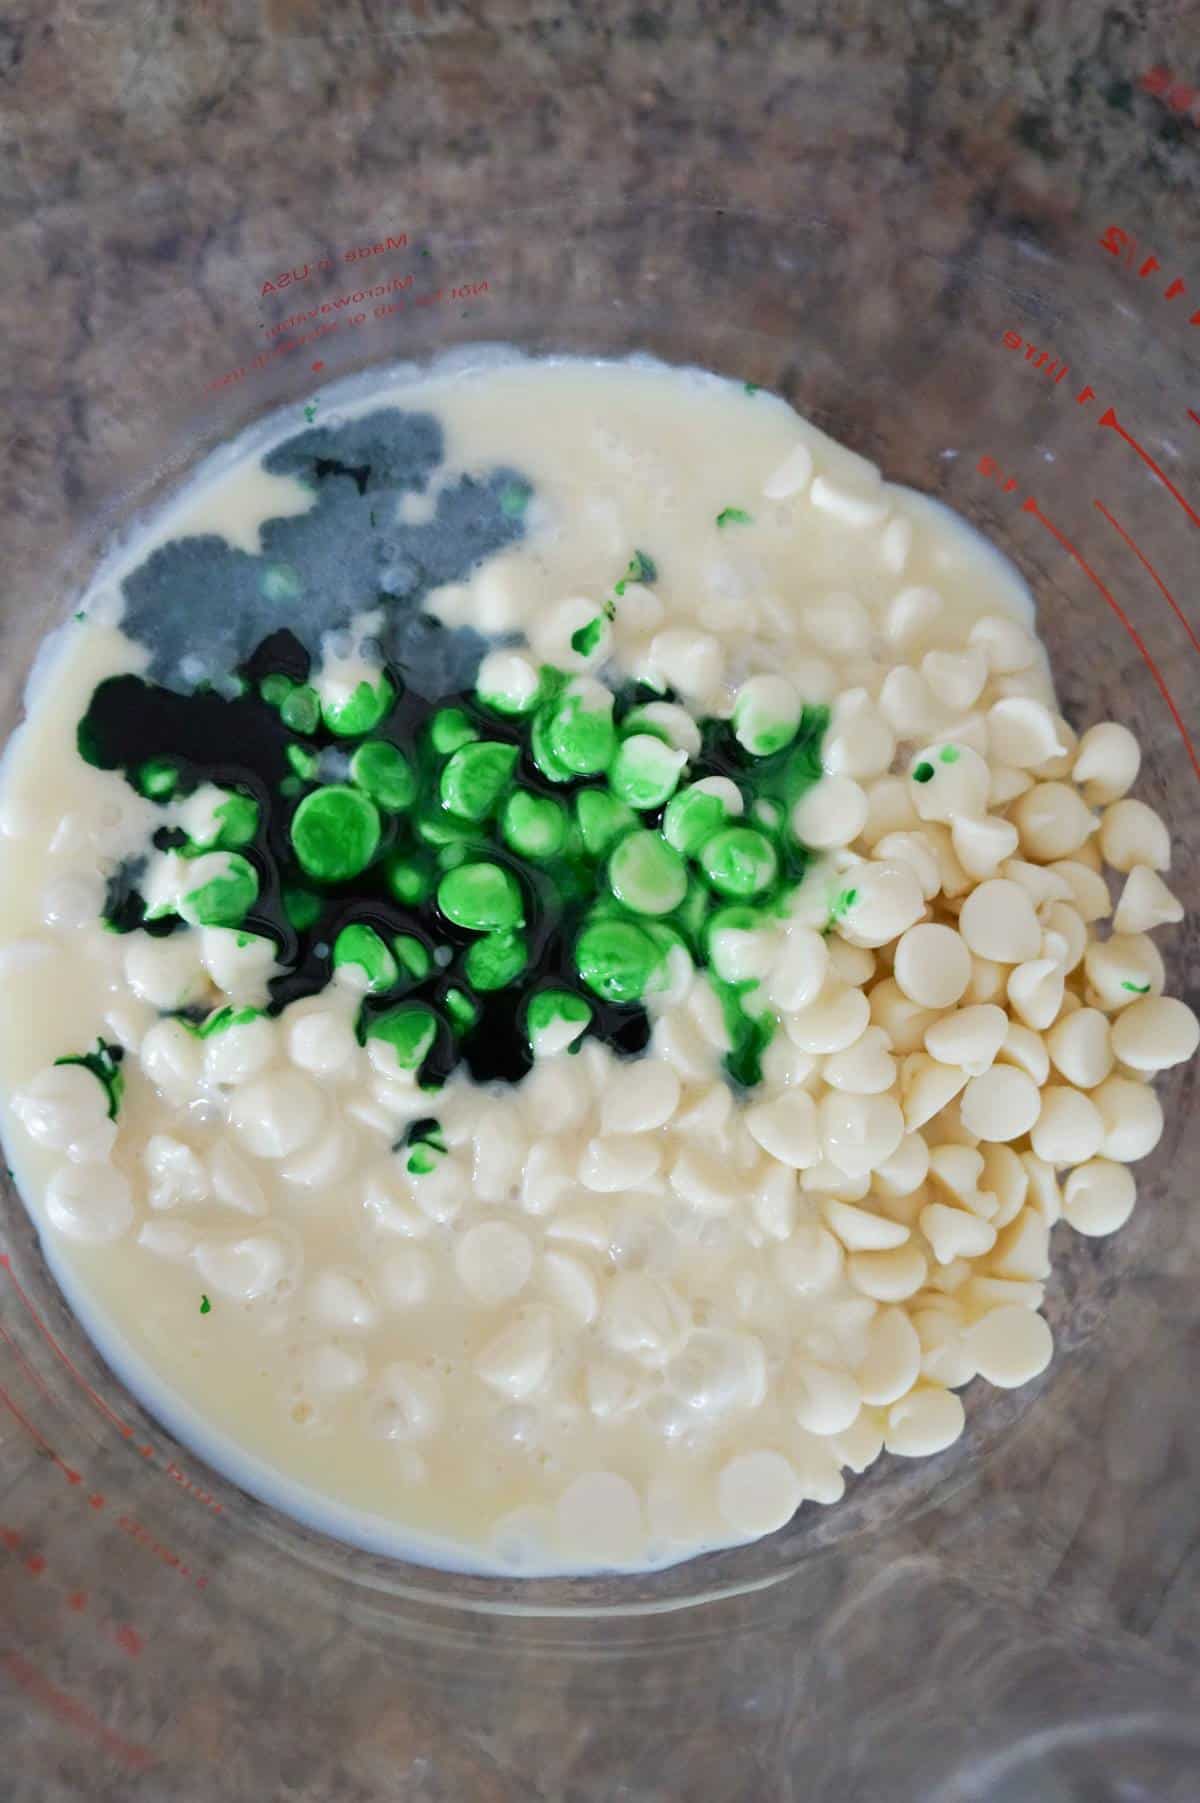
x=721, y=944
x=362, y=710
x=362, y=947
x=739, y=861
x=158, y=779
x=384, y=773
x=450, y=728
x=534, y=826
x=541, y=744
x=301, y=710
x=424, y=1158
x=508, y=683
x=495, y=961
x=601, y=819
x=409, y=1029
x=218, y=820
x=617, y=959
x=335, y=833
x=581, y=731
x=442, y=830
x=647, y=874
x=554, y=1019
x=462, y=1011
x=645, y=771
x=410, y=877
x=923, y=773
x=237, y=821
x=275, y=689
x=224, y=889
x=692, y=817
x=304, y=762
x=476, y=777
x=692, y=913
x=412, y=956
x=484, y=898
x=766, y=715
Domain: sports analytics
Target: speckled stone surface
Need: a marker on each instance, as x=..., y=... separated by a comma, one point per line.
x=847, y=201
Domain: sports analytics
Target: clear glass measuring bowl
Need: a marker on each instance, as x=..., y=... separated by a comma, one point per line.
x=1011, y=1617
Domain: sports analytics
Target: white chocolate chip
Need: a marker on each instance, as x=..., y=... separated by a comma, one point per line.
x=90, y=1203
x=791, y=477
x=1155, y=1034
x=1080, y=1048
x=1010, y=1346
x=862, y=1231
x=493, y=1261
x=932, y=965
x=517, y=1359
x=1035, y=992
x=997, y=921
x=1106, y=764
x=786, y=1127
x=1098, y=1196
x=1021, y=732
x=1145, y=903
x=1069, y=1129
x=1132, y=833
x=757, y=1492
x=893, y=1358
x=1053, y=821
x=969, y=1037
x=955, y=1233
x=924, y=1422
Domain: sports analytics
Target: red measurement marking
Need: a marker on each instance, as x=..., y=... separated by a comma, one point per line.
x=316, y=366
x=1109, y=418
x=77, y=1601
x=96, y=1501
x=1123, y=246
x=1031, y=506
x=1180, y=96
x=10, y=1538
x=35, y=1565
x=131, y=1526
x=1153, y=573
x=66, y=1708
x=129, y=1640
x=72, y=1477
x=1194, y=416
x=23, y=1361
x=57, y=1349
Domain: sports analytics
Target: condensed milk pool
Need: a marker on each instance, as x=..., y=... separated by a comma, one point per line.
x=563, y=966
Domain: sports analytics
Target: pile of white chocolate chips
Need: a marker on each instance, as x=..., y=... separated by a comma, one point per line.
x=969, y=1033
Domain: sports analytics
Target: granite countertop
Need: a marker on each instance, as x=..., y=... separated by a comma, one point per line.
x=161, y=166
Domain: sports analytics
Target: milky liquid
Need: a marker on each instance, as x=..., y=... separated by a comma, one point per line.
x=613, y=458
